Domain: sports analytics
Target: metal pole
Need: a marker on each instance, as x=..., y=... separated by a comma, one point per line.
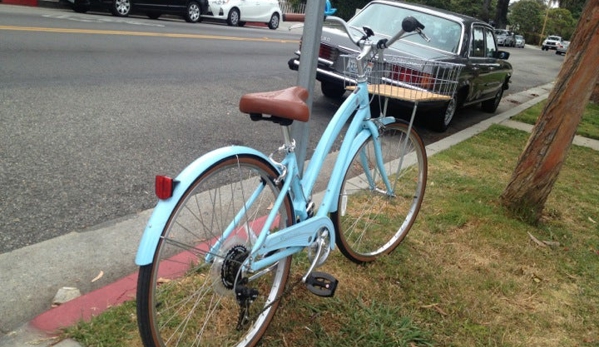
x=307, y=72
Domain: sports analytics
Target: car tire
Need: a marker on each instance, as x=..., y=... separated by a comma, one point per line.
x=233, y=18
x=441, y=120
x=192, y=12
x=120, y=8
x=153, y=15
x=332, y=90
x=490, y=106
x=273, y=24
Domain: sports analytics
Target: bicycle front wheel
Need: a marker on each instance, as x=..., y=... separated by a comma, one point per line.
x=195, y=292
x=368, y=213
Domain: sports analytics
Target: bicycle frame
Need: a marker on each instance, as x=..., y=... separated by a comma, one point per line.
x=294, y=238
x=269, y=247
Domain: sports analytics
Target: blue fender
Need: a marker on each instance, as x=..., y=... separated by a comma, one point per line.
x=164, y=208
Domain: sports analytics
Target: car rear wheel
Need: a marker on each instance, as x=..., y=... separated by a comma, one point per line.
x=331, y=90
x=440, y=121
x=233, y=18
x=192, y=14
x=491, y=105
x=274, y=21
x=121, y=8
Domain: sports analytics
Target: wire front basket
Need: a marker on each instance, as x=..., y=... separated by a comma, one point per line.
x=406, y=78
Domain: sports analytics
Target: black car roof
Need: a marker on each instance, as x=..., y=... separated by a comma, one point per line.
x=466, y=20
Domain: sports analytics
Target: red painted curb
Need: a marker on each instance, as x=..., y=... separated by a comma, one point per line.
x=20, y=2
x=87, y=306
x=96, y=302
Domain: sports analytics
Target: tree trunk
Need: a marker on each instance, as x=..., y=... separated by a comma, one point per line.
x=501, y=13
x=485, y=11
x=595, y=95
x=540, y=162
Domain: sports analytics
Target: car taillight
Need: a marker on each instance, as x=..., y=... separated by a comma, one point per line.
x=328, y=52
x=325, y=52
x=411, y=76
x=164, y=187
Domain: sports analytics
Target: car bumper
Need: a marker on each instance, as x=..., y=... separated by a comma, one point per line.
x=323, y=73
x=220, y=11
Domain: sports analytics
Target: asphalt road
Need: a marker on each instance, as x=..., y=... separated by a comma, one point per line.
x=92, y=107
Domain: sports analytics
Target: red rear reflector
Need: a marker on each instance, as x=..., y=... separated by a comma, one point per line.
x=164, y=187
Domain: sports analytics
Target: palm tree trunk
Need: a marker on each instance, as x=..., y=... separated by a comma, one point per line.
x=541, y=161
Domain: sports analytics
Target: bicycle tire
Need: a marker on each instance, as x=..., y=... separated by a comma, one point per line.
x=365, y=215
x=182, y=300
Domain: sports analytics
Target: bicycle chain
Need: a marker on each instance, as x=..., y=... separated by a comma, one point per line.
x=277, y=299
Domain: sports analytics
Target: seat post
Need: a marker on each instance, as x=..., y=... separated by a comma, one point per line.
x=289, y=145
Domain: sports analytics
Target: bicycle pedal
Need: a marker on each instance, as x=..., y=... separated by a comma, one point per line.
x=321, y=284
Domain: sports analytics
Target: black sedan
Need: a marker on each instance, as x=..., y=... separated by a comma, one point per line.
x=190, y=10
x=454, y=38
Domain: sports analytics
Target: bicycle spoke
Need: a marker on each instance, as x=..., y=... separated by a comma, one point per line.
x=185, y=300
x=367, y=224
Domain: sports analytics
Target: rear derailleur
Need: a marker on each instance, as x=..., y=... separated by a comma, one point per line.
x=245, y=296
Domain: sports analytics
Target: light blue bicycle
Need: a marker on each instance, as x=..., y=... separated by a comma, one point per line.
x=216, y=253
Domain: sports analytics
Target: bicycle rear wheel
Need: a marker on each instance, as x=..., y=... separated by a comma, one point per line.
x=367, y=216
x=187, y=299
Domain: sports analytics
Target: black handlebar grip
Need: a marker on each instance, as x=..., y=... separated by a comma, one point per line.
x=382, y=43
x=410, y=24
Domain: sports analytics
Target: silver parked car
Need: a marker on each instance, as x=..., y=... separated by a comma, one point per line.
x=520, y=42
x=562, y=47
x=505, y=38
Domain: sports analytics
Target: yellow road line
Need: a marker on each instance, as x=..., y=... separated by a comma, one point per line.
x=140, y=33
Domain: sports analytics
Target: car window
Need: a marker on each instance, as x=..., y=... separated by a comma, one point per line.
x=386, y=21
x=490, y=46
x=477, y=48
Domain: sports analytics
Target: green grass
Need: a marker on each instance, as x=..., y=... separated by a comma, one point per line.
x=589, y=125
x=466, y=275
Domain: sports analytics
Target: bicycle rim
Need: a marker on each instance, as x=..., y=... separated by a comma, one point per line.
x=366, y=223
x=184, y=300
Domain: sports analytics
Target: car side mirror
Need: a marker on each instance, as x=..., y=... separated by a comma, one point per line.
x=502, y=55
